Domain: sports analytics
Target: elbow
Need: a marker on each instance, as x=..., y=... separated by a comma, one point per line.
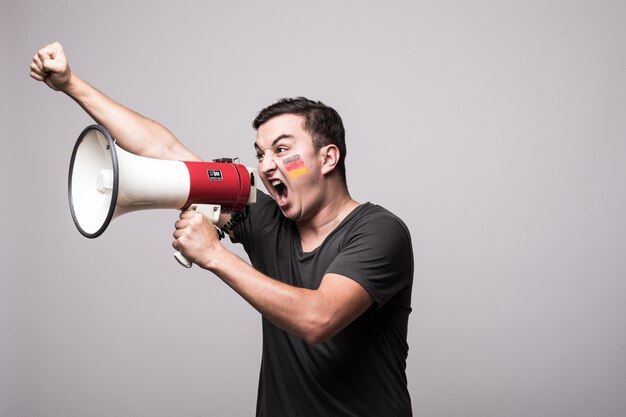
x=318, y=330
x=315, y=339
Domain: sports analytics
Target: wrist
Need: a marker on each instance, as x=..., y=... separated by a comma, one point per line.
x=72, y=86
x=215, y=259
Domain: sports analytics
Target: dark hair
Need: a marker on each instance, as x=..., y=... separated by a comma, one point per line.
x=323, y=123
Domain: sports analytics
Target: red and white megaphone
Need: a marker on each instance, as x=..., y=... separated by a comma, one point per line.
x=106, y=181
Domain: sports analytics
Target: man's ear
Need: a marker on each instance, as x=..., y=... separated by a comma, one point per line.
x=330, y=158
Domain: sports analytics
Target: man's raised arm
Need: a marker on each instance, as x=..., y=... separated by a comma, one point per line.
x=133, y=132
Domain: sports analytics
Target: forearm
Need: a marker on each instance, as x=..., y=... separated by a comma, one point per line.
x=314, y=315
x=297, y=310
x=132, y=131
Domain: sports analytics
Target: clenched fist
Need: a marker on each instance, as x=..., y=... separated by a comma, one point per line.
x=50, y=66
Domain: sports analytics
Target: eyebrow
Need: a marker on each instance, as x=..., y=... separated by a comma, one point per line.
x=283, y=136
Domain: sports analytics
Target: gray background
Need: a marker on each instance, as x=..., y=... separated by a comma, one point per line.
x=495, y=129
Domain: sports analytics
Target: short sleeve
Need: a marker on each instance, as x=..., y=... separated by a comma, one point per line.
x=377, y=253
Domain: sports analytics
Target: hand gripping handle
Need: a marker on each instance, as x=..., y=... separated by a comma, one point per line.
x=211, y=212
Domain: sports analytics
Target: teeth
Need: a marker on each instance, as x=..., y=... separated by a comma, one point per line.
x=276, y=182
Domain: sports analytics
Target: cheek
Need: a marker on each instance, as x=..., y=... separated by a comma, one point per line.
x=295, y=167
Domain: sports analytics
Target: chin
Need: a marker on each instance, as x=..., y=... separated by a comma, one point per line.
x=291, y=214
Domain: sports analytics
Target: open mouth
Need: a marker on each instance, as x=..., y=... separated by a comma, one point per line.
x=280, y=191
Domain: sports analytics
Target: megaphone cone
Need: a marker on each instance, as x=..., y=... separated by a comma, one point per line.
x=106, y=181
x=93, y=181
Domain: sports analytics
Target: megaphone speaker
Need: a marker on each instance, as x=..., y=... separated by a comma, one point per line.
x=105, y=181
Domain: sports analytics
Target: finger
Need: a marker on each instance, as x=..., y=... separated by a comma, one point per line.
x=46, y=53
x=37, y=70
x=52, y=50
x=190, y=214
x=37, y=67
x=53, y=66
x=178, y=233
x=180, y=239
x=185, y=214
x=179, y=225
x=37, y=76
x=37, y=61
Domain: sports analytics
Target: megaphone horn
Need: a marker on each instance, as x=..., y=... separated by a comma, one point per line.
x=105, y=181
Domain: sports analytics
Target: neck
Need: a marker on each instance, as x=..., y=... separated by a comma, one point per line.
x=331, y=212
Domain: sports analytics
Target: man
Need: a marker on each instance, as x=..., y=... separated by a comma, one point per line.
x=331, y=277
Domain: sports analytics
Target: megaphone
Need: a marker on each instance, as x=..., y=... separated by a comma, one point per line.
x=105, y=181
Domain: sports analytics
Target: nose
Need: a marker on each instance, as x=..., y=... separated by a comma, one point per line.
x=267, y=164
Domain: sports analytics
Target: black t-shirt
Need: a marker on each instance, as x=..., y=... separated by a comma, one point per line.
x=361, y=370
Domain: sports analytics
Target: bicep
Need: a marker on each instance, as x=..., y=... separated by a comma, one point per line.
x=175, y=151
x=343, y=300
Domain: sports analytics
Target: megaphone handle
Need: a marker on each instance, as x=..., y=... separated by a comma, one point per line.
x=211, y=212
x=182, y=260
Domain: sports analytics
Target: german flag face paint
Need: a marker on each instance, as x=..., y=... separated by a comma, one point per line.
x=295, y=166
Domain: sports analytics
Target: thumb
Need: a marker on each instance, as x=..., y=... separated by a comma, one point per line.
x=53, y=66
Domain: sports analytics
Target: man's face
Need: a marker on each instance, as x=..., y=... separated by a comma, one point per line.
x=289, y=165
